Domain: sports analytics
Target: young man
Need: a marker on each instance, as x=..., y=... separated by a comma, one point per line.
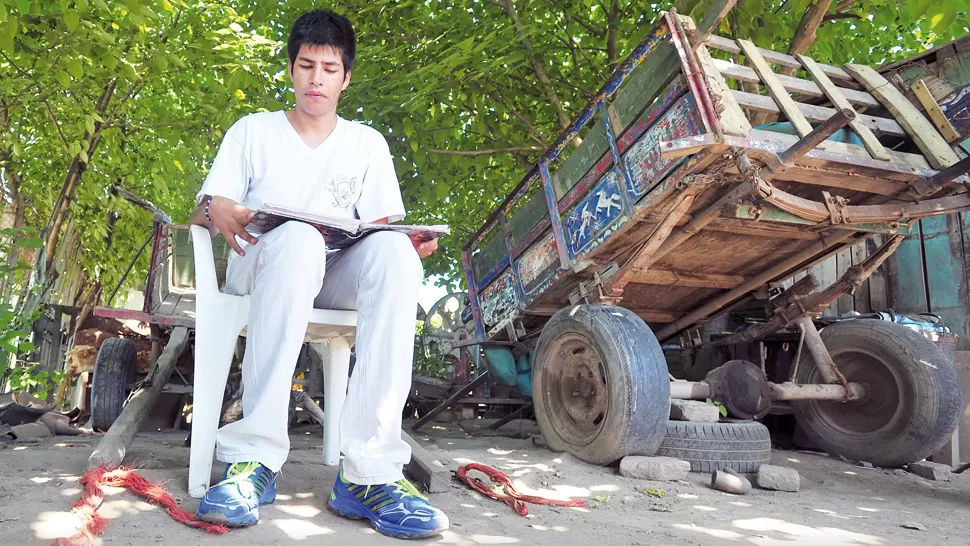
x=310, y=158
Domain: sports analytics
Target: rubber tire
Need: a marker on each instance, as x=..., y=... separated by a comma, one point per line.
x=114, y=370
x=741, y=446
x=931, y=405
x=639, y=386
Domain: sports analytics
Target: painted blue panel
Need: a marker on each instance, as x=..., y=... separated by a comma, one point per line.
x=594, y=214
x=945, y=271
x=907, y=286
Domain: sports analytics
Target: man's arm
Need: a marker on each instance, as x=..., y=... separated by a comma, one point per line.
x=228, y=217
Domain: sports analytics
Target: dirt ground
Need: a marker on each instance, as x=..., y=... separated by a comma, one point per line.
x=839, y=503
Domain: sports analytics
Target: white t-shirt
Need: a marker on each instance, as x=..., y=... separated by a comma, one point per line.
x=262, y=160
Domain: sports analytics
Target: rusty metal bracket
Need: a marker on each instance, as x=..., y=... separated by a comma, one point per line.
x=838, y=208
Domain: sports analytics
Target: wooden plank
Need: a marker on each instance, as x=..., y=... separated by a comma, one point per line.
x=795, y=85
x=843, y=261
x=709, y=23
x=738, y=227
x=733, y=120
x=820, y=177
x=926, y=137
x=878, y=296
x=933, y=109
x=685, y=278
x=834, y=72
x=425, y=469
x=862, y=304
x=839, y=100
x=775, y=88
x=649, y=315
x=902, y=163
x=906, y=276
x=828, y=276
x=761, y=103
x=113, y=446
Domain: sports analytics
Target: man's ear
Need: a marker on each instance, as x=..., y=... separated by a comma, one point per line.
x=346, y=81
x=289, y=70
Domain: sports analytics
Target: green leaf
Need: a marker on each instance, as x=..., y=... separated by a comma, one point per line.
x=723, y=410
x=75, y=69
x=71, y=19
x=236, y=27
x=26, y=346
x=3, y=13
x=102, y=5
x=62, y=78
x=83, y=154
x=31, y=242
x=23, y=6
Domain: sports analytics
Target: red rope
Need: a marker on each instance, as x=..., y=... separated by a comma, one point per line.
x=504, y=491
x=92, y=524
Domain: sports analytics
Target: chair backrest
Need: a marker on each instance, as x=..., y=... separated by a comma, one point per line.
x=207, y=281
x=183, y=261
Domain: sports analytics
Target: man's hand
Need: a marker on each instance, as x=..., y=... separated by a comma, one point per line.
x=231, y=218
x=425, y=248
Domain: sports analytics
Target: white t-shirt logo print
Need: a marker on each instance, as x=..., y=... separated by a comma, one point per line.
x=344, y=190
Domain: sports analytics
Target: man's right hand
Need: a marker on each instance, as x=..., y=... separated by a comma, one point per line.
x=231, y=218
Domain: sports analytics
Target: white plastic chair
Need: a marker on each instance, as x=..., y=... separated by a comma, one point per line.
x=219, y=320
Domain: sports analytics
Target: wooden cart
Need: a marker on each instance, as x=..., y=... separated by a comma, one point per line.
x=663, y=204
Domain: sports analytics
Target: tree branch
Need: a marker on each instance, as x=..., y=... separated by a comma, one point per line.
x=612, y=28
x=536, y=66
x=67, y=145
x=805, y=33
x=844, y=5
x=475, y=153
x=587, y=25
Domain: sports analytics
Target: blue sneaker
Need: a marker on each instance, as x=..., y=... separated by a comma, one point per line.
x=397, y=509
x=235, y=500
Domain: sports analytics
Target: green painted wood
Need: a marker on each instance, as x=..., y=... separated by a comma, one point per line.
x=528, y=214
x=492, y=251
x=946, y=275
x=907, y=292
x=640, y=90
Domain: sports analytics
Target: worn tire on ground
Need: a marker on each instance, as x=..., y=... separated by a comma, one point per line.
x=114, y=369
x=913, y=401
x=742, y=446
x=600, y=384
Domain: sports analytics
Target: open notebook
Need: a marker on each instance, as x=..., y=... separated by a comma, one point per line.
x=338, y=232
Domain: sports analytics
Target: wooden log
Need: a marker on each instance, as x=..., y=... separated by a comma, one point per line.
x=923, y=133
x=426, y=470
x=111, y=450
x=685, y=278
x=839, y=100
x=775, y=88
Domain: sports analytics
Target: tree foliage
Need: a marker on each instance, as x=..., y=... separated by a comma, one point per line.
x=97, y=94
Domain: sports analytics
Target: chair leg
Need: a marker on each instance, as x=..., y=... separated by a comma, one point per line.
x=335, y=371
x=214, y=345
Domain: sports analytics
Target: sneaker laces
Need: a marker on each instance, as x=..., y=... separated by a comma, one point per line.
x=405, y=488
x=239, y=472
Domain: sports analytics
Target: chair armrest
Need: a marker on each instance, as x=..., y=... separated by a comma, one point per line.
x=205, y=264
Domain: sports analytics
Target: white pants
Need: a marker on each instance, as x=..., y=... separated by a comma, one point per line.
x=288, y=274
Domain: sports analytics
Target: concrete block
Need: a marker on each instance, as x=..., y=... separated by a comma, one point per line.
x=693, y=410
x=778, y=478
x=930, y=471
x=654, y=468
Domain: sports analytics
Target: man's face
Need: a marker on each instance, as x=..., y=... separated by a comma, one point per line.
x=318, y=78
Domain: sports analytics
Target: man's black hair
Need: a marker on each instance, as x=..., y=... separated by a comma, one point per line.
x=324, y=27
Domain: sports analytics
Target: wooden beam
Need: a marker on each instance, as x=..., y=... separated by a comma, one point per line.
x=425, y=469
x=933, y=109
x=740, y=227
x=655, y=316
x=795, y=85
x=710, y=22
x=849, y=181
x=761, y=103
x=775, y=88
x=113, y=446
x=839, y=100
x=924, y=134
x=685, y=278
x=733, y=120
x=834, y=72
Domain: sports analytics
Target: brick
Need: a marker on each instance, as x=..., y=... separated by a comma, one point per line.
x=930, y=471
x=778, y=478
x=693, y=410
x=654, y=468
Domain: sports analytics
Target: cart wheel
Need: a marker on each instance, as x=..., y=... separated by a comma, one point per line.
x=601, y=389
x=114, y=370
x=912, y=402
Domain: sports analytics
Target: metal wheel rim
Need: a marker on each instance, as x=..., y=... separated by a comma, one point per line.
x=881, y=407
x=576, y=390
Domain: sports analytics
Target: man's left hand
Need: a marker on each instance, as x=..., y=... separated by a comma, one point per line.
x=425, y=248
